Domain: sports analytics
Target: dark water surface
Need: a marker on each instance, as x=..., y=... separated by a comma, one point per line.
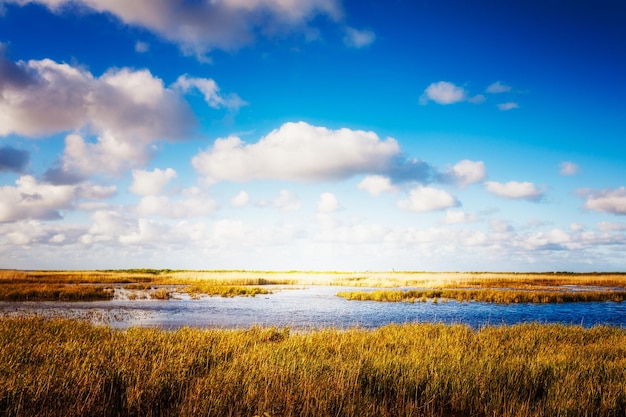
x=314, y=307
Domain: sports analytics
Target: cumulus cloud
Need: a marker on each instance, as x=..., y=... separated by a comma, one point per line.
x=127, y=110
x=297, y=151
x=58, y=97
x=500, y=226
x=12, y=159
x=605, y=201
x=195, y=203
x=569, y=168
x=424, y=198
x=200, y=26
x=328, y=203
x=377, y=184
x=443, y=92
x=508, y=106
x=358, y=38
x=465, y=173
x=515, y=190
x=151, y=182
x=458, y=217
x=612, y=226
x=498, y=87
x=287, y=201
x=240, y=200
x=30, y=199
x=108, y=154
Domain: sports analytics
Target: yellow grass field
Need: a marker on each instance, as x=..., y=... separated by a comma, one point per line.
x=66, y=368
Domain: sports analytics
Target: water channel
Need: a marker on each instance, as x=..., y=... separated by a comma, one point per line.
x=313, y=307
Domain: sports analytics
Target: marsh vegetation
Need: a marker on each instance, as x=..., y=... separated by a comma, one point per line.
x=161, y=284
x=67, y=368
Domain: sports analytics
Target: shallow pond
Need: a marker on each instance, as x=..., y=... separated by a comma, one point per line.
x=313, y=307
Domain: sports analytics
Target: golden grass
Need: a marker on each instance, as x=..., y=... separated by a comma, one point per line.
x=54, y=292
x=67, y=368
x=485, y=295
x=247, y=283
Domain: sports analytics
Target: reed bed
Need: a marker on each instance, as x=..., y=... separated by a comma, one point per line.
x=250, y=283
x=54, y=292
x=485, y=295
x=67, y=368
x=225, y=290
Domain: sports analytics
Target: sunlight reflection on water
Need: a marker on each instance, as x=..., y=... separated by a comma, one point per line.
x=314, y=307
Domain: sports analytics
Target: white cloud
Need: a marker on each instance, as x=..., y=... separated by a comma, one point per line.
x=377, y=184
x=466, y=172
x=508, y=106
x=297, y=151
x=515, y=190
x=142, y=47
x=576, y=227
x=151, y=182
x=30, y=199
x=569, y=168
x=109, y=154
x=53, y=97
x=612, y=226
x=605, y=201
x=423, y=198
x=328, y=203
x=147, y=232
x=358, y=38
x=194, y=203
x=458, y=217
x=443, y=92
x=498, y=87
x=287, y=201
x=500, y=226
x=198, y=27
x=240, y=200
x=127, y=110
x=210, y=91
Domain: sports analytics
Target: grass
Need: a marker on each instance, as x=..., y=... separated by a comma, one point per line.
x=66, y=368
x=68, y=285
x=485, y=295
x=54, y=292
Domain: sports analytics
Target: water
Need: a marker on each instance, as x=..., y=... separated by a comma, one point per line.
x=314, y=307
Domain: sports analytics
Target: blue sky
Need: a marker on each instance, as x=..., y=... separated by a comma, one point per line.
x=313, y=135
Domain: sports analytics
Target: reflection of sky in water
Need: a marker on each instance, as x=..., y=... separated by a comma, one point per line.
x=316, y=306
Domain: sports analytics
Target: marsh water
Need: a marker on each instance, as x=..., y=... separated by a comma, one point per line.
x=312, y=307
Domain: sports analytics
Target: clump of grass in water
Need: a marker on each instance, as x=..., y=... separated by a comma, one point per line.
x=224, y=290
x=68, y=368
x=489, y=296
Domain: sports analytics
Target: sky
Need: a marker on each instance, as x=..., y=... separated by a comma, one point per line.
x=322, y=135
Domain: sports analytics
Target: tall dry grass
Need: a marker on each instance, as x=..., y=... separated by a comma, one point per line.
x=485, y=295
x=66, y=368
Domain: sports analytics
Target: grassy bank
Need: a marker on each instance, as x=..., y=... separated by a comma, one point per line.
x=66, y=368
x=485, y=295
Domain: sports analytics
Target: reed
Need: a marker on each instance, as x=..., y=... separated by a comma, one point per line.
x=54, y=292
x=224, y=290
x=67, y=368
x=485, y=295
